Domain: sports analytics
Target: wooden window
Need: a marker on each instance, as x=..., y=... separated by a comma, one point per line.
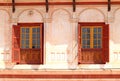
x=93, y=43
x=91, y=37
x=27, y=43
x=30, y=37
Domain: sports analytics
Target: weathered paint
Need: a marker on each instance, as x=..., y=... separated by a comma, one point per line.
x=60, y=33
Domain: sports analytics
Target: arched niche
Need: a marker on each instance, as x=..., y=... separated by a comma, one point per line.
x=30, y=15
x=59, y=36
x=61, y=28
x=91, y=15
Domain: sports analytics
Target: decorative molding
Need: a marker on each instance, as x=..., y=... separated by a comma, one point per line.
x=110, y=18
x=47, y=20
x=14, y=20
x=63, y=76
x=6, y=12
x=59, y=3
x=61, y=9
x=30, y=12
x=74, y=20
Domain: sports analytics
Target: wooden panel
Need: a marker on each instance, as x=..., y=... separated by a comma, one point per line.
x=30, y=56
x=16, y=44
x=30, y=24
x=91, y=56
x=92, y=23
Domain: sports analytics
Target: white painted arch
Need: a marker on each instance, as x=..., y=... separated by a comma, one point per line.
x=36, y=16
x=91, y=15
x=62, y=11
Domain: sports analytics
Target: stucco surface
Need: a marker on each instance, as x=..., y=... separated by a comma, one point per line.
x=60, y=33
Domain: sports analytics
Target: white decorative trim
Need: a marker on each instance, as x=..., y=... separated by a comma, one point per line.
x=14, y=20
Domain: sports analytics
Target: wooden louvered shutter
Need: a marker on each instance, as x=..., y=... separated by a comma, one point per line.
x=16, y=44
x=41, y=43
x=79, y=44
x=106, y=43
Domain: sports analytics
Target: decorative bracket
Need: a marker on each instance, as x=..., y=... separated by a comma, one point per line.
x=13, y=6
x=47, y=7
x=74, y=5
x=109, y=5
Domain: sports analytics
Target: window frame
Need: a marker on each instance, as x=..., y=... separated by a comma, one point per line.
x=16, y=56
x=91, y=39
x=105, y=40
x=30, y=39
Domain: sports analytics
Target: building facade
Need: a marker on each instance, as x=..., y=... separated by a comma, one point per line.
x=34, y=36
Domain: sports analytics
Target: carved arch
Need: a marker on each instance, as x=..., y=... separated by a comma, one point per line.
x=98, y=10
x=64, y=10
x=114, y=13
x=30, y=10
x=6, y=12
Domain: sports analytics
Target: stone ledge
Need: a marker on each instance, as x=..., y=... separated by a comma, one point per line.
x=58, y=74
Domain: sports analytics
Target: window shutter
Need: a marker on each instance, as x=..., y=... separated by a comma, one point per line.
x=16, y=44
x=41, y=43
x=79, y=44
x=106, y=43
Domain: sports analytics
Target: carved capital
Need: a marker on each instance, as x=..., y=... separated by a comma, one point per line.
x=13, y=20
x=110, y=17
x=47, y=20
x=74, y=20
